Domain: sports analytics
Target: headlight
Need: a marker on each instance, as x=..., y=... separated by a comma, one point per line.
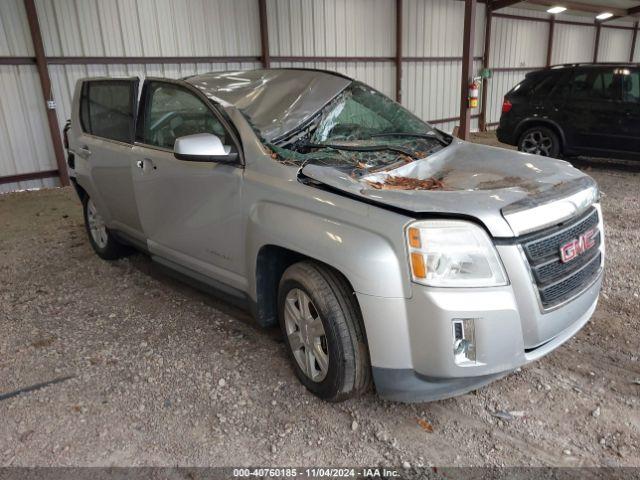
x=452, y=253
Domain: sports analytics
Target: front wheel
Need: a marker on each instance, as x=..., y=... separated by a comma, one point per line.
x=321, y=323
x=540, y=141
x=101, y=239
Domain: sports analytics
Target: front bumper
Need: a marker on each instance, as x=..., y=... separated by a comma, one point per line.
x=410, y=340
x=410, y=385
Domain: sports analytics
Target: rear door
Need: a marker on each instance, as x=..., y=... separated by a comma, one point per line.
x=107, y=120
x=190, y=210
x=591, y=115
x=630, y=111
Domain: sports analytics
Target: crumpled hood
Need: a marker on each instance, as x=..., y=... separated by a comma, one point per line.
x=276, y=101
x=477, y=181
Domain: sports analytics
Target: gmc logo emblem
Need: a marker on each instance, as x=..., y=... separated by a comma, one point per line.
x=578, y=246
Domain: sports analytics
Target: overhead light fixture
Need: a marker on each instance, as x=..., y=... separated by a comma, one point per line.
x=604, y=16
x=557, y=9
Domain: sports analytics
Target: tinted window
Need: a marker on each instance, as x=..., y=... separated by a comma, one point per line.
x=594, y=84
x=545, y=87
x=173, y=112
x=631, y=86
x=106, y=109
x=524, y=87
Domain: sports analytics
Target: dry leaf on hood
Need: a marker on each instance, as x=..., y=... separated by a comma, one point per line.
x=408, y=183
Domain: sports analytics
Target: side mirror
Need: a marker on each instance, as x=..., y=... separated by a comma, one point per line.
x=203, y=147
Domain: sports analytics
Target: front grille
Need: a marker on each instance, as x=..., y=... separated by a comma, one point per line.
x=558, y=281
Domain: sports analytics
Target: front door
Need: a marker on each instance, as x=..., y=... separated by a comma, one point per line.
x=107, y=118
x=190, y=210
x=630, y=111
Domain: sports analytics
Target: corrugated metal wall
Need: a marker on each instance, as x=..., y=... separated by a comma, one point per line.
x=149, y=28
x=528, y=52
x=297, y=28
x=331, y=28
x=431, y=89
x=615, y=45
x=25, y=142
x=530, y=49
x=573, y=43
x=336, y=28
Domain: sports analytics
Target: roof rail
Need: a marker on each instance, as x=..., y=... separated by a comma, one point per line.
x=596, y=64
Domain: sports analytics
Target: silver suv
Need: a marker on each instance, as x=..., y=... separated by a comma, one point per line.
x=388, y=251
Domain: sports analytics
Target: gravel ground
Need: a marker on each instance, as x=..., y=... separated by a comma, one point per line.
x=166, y=375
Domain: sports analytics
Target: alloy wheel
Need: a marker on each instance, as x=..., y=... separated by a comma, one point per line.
x=306, y=335
x=97, y=226
x=538, y=143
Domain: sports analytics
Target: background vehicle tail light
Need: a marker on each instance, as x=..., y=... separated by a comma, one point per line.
x=506, y=106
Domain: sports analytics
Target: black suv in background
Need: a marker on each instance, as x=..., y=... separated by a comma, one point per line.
x=582, y=109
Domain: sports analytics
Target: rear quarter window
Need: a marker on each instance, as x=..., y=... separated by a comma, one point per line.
x=107, y=109
x=546, y=86
x=538, y=83
x=524, y=87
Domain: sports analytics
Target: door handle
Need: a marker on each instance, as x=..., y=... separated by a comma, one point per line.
x=147, y=161
x=85, y=150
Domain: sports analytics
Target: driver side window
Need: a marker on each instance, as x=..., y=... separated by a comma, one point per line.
x=172, y=112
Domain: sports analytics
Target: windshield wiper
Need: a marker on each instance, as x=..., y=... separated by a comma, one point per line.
x=436, y=135
x=363, y=148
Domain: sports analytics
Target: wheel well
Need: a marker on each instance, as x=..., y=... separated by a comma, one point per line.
x=271, y=264
x=79, y=190
x=526, y=125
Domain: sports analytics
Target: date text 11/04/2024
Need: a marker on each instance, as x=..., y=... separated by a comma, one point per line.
x=316, y=472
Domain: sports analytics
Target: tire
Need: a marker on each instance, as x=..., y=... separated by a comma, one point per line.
x=540, y=140
x=101, y=239
x=332, y=305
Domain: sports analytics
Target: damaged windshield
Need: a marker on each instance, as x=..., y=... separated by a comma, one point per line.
x=361, y=131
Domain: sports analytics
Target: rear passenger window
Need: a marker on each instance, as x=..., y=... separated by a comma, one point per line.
x=107, y=109
x=594, y=85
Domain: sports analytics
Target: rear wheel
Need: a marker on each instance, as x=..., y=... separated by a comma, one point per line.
x=540, y=141
x=321, y=323
x=101, y=239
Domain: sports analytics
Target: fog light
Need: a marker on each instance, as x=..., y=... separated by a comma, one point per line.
x=464, y=340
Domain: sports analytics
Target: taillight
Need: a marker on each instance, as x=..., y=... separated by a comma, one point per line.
x=506, y=106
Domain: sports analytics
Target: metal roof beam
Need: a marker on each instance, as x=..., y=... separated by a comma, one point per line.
x=581, y=7
x=498, y=4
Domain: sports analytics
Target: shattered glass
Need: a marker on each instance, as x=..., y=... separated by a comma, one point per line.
x=344, y=135
x=362, y=132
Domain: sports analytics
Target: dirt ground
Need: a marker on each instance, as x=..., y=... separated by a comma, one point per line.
x=163, y=374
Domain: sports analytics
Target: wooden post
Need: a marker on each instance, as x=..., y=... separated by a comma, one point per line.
x=398, y=59
x=45, y=84
x=485, y=64
x=264, y=33
x=467, y=67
